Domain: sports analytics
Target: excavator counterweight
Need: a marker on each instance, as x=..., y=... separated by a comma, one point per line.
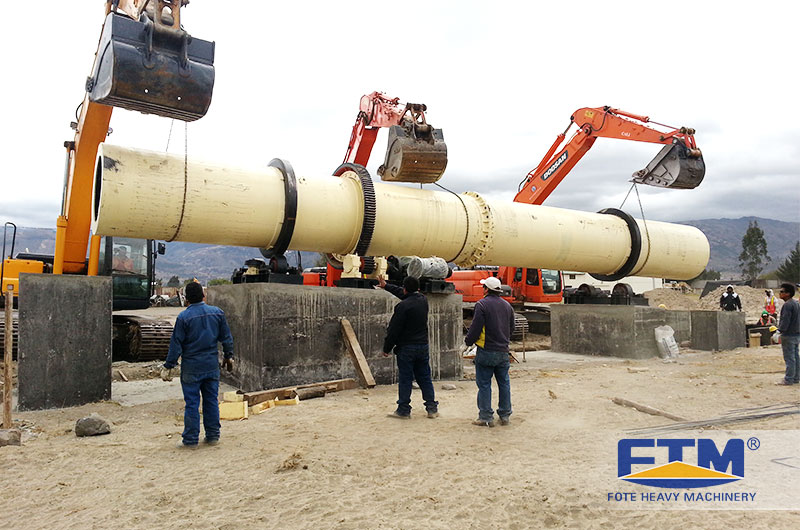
x=675, y=166
x=153, y=68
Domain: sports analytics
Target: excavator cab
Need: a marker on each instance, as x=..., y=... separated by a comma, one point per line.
x=416, y=151
x=675, y=166
x=152, y=65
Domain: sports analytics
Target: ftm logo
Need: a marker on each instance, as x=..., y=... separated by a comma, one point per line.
x=676, y=473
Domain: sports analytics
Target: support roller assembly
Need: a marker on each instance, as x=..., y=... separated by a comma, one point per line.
x=149, y=195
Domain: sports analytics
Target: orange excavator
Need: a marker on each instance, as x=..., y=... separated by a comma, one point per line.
x=678, y=165
x=145, y=61
x=416, y=152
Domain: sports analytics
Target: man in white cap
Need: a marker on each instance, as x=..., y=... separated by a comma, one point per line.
x=491, y=331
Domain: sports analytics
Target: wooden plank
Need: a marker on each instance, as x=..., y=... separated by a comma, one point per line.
x=254, y=398
x=356, y=355
x=311, y=392
x=232, y=396
x=233, y=410
x=261, y=407
x=284, y=402
x=9, y=346
x=335, y=385
x=646, y=409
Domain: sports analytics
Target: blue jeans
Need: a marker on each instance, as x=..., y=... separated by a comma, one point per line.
x=790, y=345
x=488, y=364
x=195, y=385
x=413, y=362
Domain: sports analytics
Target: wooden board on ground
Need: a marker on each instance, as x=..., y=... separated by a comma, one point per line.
x=288, y=392
x=646, y=409
x=310, y=392
x=261, y=407
x=233, y=410
x=232, y=396
x=356, y=355
x=284, y=402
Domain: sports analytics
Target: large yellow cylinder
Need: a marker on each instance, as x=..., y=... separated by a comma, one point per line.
x=152, y=195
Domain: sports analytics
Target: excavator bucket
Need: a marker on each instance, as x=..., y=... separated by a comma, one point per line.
x=675, y=166
x=416, y=153
x=144, y=67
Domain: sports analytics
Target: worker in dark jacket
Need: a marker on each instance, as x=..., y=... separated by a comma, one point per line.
x=197, y=331
x=789, y=328
x=730, y=301
x=407, y=335
x=491, y=331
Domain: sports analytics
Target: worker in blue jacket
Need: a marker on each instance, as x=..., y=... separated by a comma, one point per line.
x=491, y=331
x=197, y=331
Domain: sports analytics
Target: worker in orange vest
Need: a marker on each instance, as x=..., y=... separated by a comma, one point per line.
x=770, y=303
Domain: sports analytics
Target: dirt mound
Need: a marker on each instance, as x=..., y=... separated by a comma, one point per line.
x=672, y=299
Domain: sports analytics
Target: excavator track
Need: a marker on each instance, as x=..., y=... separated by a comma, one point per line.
x=520, y=326
x=138, y=339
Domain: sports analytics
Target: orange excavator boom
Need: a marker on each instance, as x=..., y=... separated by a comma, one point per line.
x=678, y=165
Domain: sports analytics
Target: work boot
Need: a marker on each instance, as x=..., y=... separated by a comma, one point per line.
x=399, y=416
x=181, y=445
x=505, y=420
x=483, y=423
x=212, y=441
x=433, y=414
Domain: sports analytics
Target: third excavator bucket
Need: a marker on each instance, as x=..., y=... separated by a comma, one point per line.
x=152, y=67
x=675, y=166
x=416, y=152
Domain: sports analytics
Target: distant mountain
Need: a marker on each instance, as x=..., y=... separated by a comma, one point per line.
x=725, y=237
x=206, y=262
x=185, y=260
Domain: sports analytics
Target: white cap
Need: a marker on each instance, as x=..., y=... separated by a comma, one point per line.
x=491, y=283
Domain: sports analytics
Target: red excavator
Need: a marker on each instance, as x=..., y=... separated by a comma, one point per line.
x=678, y=165
x=416, y=153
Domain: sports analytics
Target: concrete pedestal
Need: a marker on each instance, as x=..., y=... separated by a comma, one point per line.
x=681, y=323
x=617, y=331
x=288, y=334
x=718, y=330
x=64, y=340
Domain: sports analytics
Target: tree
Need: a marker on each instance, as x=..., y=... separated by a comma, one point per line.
x=174, y=281
x=754, y=252
x=789, y=271
x=708, y=274
x=218, y=281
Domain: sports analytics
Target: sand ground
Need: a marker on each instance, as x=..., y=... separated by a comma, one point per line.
x=339, y=462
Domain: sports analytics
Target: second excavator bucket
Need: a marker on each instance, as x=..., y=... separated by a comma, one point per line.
x=675, y=166
x=416, y=153
x=144, y=67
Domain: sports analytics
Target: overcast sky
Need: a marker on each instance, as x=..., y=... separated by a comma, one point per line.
x=500, y=78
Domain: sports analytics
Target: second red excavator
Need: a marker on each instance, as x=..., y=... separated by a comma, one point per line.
x=679, y=165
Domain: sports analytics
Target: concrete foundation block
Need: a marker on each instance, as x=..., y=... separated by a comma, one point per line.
x=290, y=334
x=64, y=340
x=681, y=323
x=718, y=330
x=617, y=331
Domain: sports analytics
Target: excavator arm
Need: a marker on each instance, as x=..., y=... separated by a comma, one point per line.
x=145, y=61
x=416, y=151
x=678, y=165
